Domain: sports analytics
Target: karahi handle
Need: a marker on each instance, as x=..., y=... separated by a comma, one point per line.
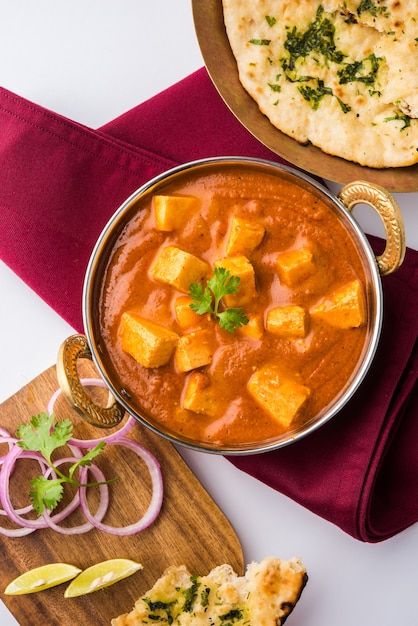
x=72, y=349
x=362, y=192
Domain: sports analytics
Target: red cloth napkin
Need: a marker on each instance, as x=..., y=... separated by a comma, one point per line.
x=59, y=184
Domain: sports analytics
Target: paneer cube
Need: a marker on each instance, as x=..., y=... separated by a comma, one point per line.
x=173, y=212
x=185, y=316
x=295, y=266
x=239, y=266
x=345, y=308
x=194, y=350
x=199, y=396
x=244, y=237
x=147, y=342
x=254, y=328
x=178, y=268
x=287, y=321
x=278, y=395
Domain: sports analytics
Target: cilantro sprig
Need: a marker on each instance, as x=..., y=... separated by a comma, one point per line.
x=208, y=299
x=43, y=436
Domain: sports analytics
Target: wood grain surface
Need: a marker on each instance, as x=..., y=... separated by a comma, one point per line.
x=190, y=529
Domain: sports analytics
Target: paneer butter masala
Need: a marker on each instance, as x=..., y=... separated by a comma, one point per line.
x=256, y=359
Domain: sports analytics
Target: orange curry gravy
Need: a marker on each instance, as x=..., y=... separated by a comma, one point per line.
x=323, y=360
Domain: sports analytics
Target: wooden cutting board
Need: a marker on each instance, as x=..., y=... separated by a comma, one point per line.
x=190, y=529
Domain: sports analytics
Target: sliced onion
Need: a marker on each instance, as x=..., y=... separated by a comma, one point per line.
x=87, y=444
x=5, y=433
x=154, y=506
x=73, y=504
x=22, y=511
x=90, y=443
x=15, y=515
x=16, y=532
x=53, y=520
x=94, y=382
x=9, y=440
x=5, y=437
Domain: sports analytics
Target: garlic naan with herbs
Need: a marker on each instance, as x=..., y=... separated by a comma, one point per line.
x=340, y=74
x=264, y=596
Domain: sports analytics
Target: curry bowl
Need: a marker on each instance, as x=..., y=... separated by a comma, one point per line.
x=232, y=305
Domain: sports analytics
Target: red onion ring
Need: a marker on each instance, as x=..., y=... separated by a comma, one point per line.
x=154, y=506
x=5, y=474
x=94, y=382
x=6, y=439
x=15, y=515
x=22, y=511
x=90, y=443
x=52, y=520
x=47, y=471
x=16, y=532
x=5, y=433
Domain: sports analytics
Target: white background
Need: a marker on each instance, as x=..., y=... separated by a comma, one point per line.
x=92, y=60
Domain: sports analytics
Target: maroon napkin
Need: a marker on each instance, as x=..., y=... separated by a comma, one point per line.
x=360, y=471
x=59, y=184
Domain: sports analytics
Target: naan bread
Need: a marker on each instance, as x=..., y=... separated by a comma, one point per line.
x=265, y=596
x=340, y=74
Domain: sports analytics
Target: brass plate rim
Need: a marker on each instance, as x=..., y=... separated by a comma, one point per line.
x=222, y=69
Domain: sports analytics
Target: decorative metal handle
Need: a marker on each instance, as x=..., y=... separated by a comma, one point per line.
x=379, y=199
x=72, y=349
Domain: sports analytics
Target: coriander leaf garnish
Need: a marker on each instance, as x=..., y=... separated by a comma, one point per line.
x=43, y=436
x=314, y=96
x=372, y=8
x=202, y=299
x=271, y=21
x=364, y=71
x=319, y=37
x=190, y=594
x=402, y=117
x=260, y=42
x=40, y=436
x=232, y=318
x=45, y=493
x=208, y=299
x=232, y=615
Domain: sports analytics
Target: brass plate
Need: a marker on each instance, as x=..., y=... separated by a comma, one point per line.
x=222, y=68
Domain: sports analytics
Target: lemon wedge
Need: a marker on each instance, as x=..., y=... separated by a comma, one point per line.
x=41, y=578
x=101, y=575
